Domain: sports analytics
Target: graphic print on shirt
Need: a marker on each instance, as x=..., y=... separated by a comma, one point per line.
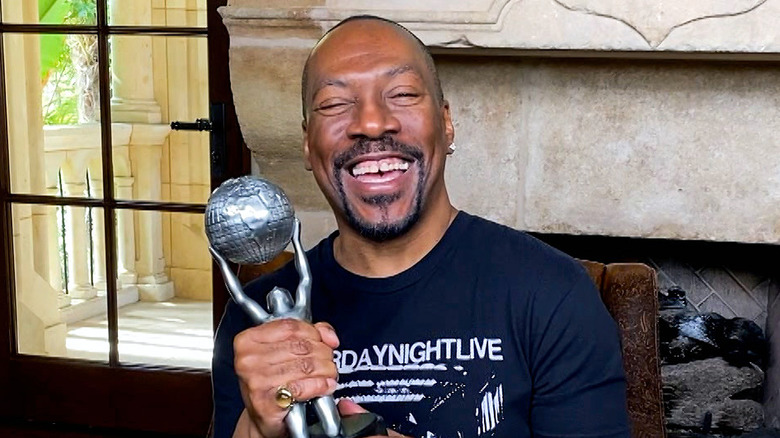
x=429, y=377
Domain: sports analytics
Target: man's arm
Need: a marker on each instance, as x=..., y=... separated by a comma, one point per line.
x=579, y=384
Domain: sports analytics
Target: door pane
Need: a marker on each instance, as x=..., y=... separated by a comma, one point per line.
x=71, y=12
x=60, y=276
x=169, y=264
x=157, y=80
x=54, y=109
x=170, y=13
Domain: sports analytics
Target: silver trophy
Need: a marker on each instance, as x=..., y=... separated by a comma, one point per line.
x=250, y=221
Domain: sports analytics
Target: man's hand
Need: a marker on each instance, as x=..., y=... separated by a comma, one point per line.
x=348, y=407
x=284, y=352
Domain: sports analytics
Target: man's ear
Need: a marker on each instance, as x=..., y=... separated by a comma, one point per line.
x=306, y=159
x=449, y=129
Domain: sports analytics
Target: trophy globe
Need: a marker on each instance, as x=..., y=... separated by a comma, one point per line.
x=249, y=220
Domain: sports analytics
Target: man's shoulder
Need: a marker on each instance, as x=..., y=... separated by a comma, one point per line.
x=519, y=254
x=505, y=240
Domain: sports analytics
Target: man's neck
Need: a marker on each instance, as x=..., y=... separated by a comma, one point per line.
x=378, y=260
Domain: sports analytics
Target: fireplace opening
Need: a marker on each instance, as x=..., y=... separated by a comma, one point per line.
x=719, y=329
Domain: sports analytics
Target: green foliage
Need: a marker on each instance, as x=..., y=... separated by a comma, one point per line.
x=52, y=46
x=58, y=75
x=82, y=12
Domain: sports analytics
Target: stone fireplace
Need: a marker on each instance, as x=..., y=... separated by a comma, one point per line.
x=639, y=119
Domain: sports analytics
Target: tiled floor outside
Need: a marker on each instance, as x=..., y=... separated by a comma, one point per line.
x=176, y=332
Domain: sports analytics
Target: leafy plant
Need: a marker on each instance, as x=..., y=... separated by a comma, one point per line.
x=68, y=64
x=52, y=46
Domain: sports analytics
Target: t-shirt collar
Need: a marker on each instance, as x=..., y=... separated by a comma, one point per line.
x=335, y=277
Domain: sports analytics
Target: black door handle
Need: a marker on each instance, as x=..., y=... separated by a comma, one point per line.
x=215, y=124
x=198, y=125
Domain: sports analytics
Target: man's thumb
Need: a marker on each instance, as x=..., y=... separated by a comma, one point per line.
x=348, y=407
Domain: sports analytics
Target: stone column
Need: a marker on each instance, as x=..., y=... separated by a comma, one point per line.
x=132, y=68
x=133, y=102
x=125, y=234
x=265, y=71
x=76, y=244
x=146, y=157
x=39, y=329
x=55, y=261
x=98, y=237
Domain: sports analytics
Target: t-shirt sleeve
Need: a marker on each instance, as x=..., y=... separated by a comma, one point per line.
x=579, y=383
x=228, y=403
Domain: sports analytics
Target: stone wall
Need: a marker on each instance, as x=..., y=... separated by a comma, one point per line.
x=650, y=145
x=674, y=150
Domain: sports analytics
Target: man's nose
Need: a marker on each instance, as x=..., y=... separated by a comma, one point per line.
x=372, y=119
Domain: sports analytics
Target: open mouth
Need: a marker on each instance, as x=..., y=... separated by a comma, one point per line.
x=379, y=170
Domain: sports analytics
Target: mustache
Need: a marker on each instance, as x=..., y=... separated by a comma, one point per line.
x=370, y=145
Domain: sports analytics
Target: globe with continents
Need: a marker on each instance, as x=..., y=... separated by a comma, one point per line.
x=249, y=220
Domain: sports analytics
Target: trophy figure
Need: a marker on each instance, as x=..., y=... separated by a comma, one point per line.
x=251, y=221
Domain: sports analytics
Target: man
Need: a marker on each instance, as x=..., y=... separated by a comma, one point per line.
x=445, y=324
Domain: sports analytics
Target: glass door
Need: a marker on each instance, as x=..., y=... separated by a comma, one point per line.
x=109, y=297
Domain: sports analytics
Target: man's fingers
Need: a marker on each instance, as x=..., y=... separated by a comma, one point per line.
x=328, y=334
x=258, y=374
x=307, y=389
x=284, y=353
x=278, y=330
x=272, y=354
x=348, y=407
x=305, y=367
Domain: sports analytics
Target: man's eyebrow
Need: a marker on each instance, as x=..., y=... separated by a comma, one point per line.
x=326, y=83
x=395, y=71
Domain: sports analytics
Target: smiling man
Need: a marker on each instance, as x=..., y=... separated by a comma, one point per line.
x=445, y=324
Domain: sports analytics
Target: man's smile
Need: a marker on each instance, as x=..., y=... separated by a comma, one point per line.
x=377, y=167
x=376, y=174
x=369, y=168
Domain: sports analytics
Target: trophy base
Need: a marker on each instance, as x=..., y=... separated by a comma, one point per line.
x=354, y=426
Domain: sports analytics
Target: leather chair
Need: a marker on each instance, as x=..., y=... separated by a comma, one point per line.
x=630, y=294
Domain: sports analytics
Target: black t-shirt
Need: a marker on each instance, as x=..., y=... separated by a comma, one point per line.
x=492, y=333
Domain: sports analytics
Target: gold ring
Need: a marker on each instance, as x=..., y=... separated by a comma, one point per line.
x=284, y=397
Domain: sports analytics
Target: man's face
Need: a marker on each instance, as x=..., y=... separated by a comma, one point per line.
x=376, y=137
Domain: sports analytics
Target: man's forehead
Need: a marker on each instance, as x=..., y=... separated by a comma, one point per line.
x=366, y=38
x=369, y=30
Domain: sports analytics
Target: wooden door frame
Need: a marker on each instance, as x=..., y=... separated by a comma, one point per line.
x=96, y=395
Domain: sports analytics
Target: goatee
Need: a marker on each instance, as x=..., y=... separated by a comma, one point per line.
x=384, y=229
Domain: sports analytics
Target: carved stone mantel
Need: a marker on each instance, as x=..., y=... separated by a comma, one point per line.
x=622, y=145
x=725, y=26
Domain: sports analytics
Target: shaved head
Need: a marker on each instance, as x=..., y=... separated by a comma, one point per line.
x=423, y=50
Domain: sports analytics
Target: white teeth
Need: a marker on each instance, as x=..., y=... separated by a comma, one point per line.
x=362, y=169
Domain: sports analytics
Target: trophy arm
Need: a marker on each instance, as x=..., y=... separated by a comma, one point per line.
x=250, y=306
x=296, y=421
x=303, y=293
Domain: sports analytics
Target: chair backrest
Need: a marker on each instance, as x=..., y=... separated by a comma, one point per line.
x=630, y=294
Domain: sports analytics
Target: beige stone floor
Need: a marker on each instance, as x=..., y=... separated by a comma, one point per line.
x=176, y=333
